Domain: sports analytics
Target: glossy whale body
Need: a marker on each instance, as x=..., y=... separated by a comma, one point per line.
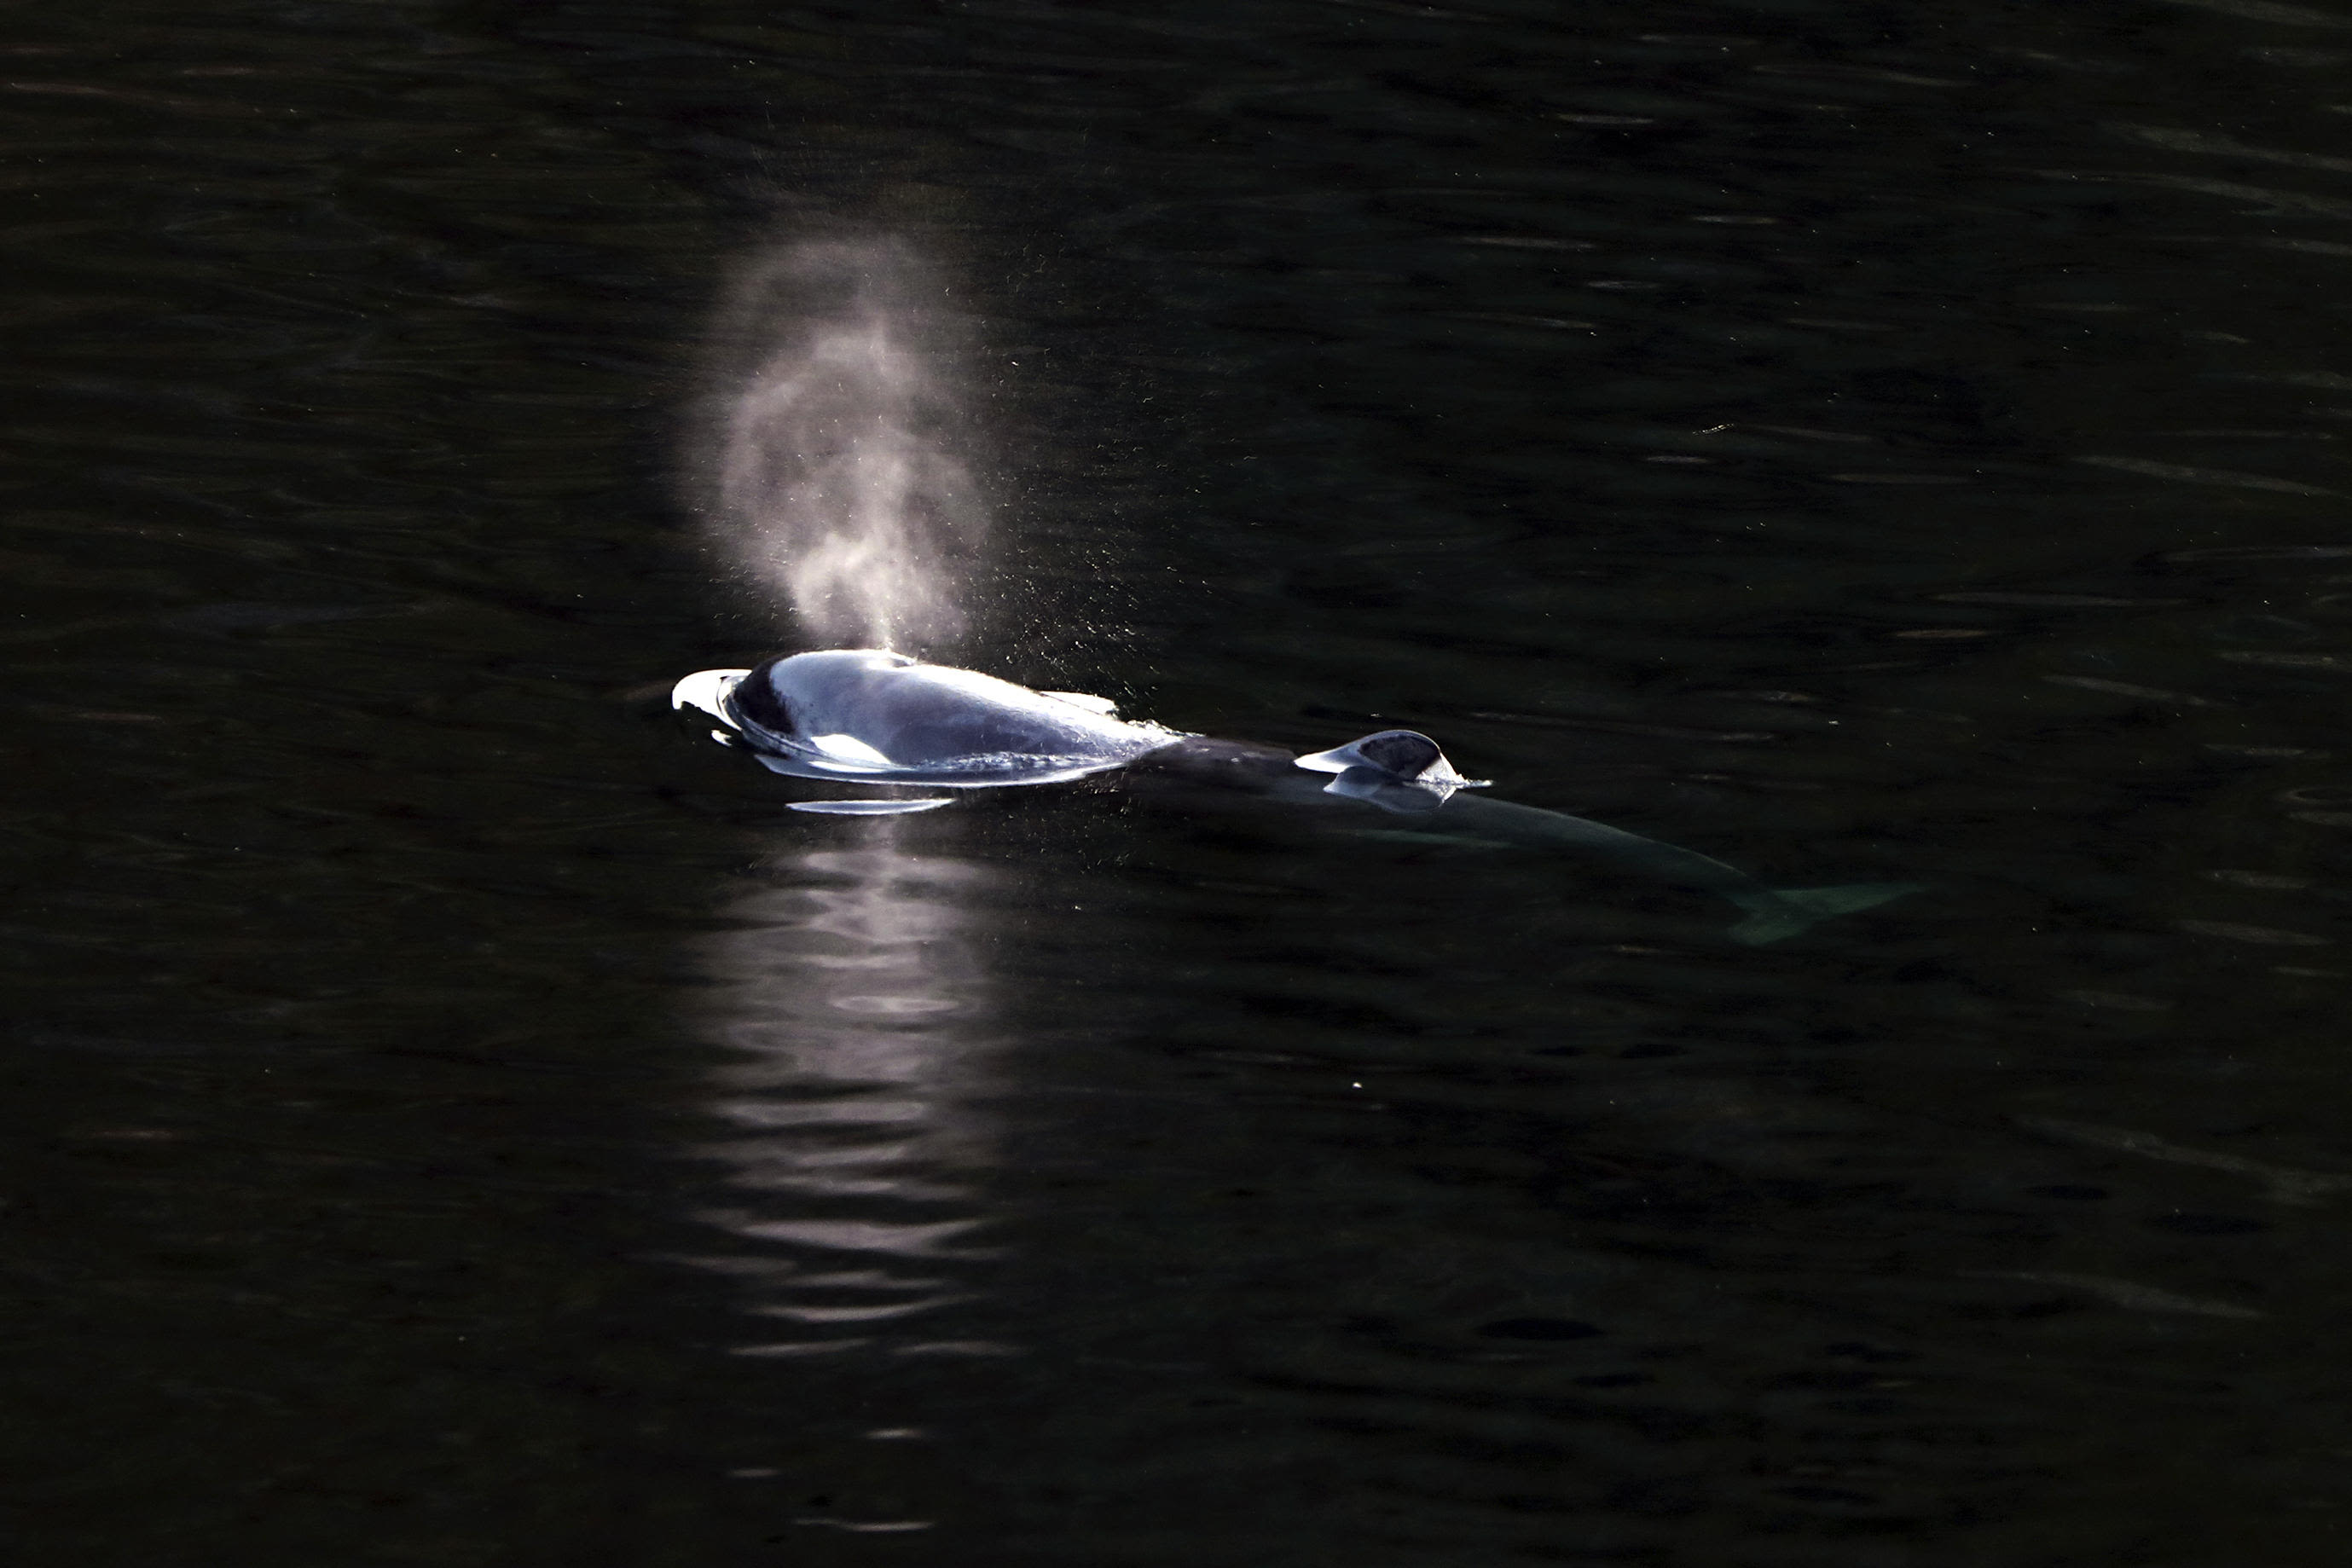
x=880, y=718
x=874, y=718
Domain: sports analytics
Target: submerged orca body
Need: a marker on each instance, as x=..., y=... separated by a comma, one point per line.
x=872, y=718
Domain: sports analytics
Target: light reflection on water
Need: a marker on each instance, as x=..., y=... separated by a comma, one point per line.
x=853, y=994
x=1976, y=497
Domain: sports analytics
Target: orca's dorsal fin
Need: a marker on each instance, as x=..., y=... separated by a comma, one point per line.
x=1398, y=756
x=1092, y=703
x=1390, y=793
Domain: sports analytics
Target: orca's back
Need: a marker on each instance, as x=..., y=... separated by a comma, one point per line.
x=892, y=715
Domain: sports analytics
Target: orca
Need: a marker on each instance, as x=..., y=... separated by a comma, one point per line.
x=873, y=717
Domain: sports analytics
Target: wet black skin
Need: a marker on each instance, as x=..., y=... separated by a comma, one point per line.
x=1470, y=818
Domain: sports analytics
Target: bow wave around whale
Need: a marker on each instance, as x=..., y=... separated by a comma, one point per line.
x=869, y=716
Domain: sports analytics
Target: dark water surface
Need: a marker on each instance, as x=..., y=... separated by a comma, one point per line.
x=457, y=1116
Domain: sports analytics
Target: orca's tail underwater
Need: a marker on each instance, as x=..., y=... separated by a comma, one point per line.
x=1775, y=914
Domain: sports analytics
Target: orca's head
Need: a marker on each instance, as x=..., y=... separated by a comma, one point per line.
x=757, y=704
x=762, y=702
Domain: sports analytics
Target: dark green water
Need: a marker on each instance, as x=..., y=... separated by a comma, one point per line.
x=455, y=1115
